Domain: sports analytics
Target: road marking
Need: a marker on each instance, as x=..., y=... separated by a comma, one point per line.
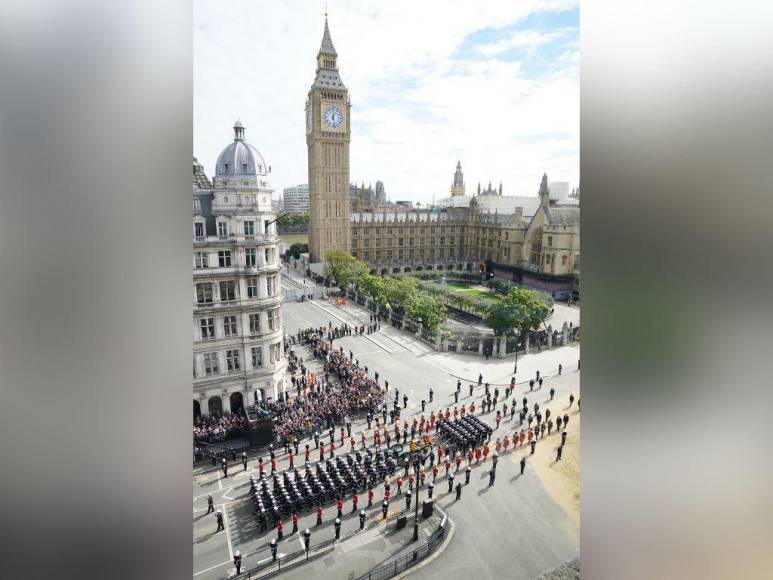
x=228, y=534
x=213, y=567
x=225, y=494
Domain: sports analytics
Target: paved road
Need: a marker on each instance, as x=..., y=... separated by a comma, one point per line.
x=512, y=530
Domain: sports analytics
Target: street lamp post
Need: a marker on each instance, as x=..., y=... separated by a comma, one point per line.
x=515, y=369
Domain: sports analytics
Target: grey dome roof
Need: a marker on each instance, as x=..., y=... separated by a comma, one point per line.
x=240, y=159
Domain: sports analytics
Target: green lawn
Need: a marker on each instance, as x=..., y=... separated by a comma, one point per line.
x=468, y=290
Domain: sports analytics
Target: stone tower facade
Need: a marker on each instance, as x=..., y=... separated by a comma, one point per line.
x=458, y=186
x=328, y=133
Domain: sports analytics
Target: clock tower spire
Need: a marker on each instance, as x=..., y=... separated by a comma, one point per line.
x=327, y=138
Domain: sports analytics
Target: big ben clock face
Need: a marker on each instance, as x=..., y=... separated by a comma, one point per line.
x=332, y=117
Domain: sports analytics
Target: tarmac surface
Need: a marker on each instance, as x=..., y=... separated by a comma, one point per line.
x=513, y=529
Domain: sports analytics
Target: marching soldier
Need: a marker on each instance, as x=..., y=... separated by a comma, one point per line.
x=244, y=461
x=280, y=529
x=559, y=422
x=480, y=379
x=210, y=504
x=340, y=507
x=292, y=461
x=355, y=501
x=571, y=400
x=491, y=476
x=533, y=446
x=319, y=514
x=558, y=452
x=456, y=397
x=560, y=368
x=370, y=495
x=431, y=394
x=550, y=425
x=563, y=438
x=458, y=460
x=308, y=452
x=295, y=522
x=540, y=382
x=273, y=465
x=523, y=464
x=566, y=420
x=410, y=482
x=423, y=405
x=458, y=491
x=238, y=562
x=405, y=401
x=531, y=385
x=552, y=393
x=219, y=517
x=471, y=387
x=263, y=520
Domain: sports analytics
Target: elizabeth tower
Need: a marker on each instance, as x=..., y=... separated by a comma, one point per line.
x=327, y=137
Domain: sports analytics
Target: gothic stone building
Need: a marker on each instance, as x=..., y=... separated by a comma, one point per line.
x=237, y=325
x=540, y=251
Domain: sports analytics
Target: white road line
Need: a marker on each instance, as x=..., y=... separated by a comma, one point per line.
x=213, y=567
x=220, y=483
x=228, y=534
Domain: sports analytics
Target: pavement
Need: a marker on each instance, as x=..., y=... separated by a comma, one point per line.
x=514, y=529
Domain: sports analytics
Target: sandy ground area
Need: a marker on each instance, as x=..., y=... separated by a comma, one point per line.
x=562, y=479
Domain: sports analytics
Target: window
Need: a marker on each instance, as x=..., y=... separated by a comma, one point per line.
x=196, y=205
x=202, y=260
x=229, y=326
x=227, y=291
x=199, y=230
x=257, y=357
x=204, y=293
x=271, y=285
x=224, y=258
x=249, y=256
x=244, y=167
x=232, y=361
x=227, y=166
x=550, y=240
x=252, y=287
x=273, y=319
x=563, y=260
x=210, y=364
x=222, y=229
x=255, y=323
x=207, y=326
x=275, y=351
x=249, y=228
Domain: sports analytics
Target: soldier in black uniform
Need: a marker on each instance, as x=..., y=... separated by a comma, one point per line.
x=210, y=504
x=560, y=368
x=220, y=525
x=405, y=401
x=263, y=520
x=558, y=452
x=480, y=379
x=238, y=562
x=369, y=418
x=492, y=474
x=531, y=384
x=337, y=525
x=244, y=460
x=224, y=467
x=563, y=438
x=362, y=519
x=450, y=482
x=471, y=387
x=540, y=382
x=523, y=464
x=458, y=490
x=456, y=397
x=407, y=501
x=552, y=393
x=316, y=440
x=533, y=445
x=566, y=420
x=467, y=473
x=430, y=488
x=431, y=394
x=423, y=404
x=571, y=400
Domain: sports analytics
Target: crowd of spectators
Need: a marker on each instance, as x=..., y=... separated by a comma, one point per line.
x=323, y=401
x=211, y=428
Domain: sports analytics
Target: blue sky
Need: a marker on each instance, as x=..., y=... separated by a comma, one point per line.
x=494, y=84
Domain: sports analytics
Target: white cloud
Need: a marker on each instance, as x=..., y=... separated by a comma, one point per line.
x=416, y=107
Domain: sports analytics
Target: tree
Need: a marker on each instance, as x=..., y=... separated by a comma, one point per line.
x=297, y=249
x=521, y=309
x=430, y=309
x=399, y=292
x=343, y=268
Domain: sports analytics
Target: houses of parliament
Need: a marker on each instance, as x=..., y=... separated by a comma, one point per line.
x=532, y=241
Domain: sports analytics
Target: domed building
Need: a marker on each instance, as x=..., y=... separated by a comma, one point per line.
x=238, y=334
